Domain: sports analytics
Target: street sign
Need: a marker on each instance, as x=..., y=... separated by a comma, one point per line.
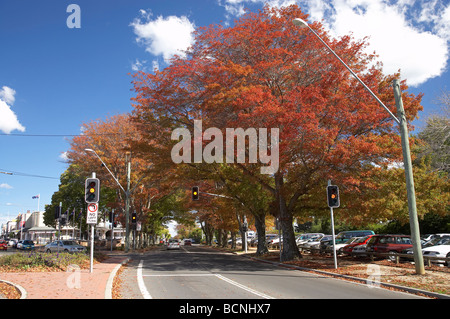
x=92, y=211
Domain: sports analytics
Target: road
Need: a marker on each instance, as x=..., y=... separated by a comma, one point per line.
x=195, y=272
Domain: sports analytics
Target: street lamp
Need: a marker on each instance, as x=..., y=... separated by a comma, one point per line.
x=413, y=220
x=127, y=195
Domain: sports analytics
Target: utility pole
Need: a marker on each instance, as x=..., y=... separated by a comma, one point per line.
x=413, y=220
x=127, y=203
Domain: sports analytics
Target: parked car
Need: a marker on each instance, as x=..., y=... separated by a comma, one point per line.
x=344, y=236
x=303, y=238
x=441, y=249
x=359, y=251
x=187, y=242
x=312, y=243
x=361, y=241
x=339, y=247
x=3, y=245
x=270, y=238
x=173, y=244
x=68, y=246
x=389, y=244
x=25, y=244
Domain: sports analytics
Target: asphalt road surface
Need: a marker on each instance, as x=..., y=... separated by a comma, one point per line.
x=195, y=272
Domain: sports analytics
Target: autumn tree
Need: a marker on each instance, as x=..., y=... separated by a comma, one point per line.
x=263, y=72
x=112, y=140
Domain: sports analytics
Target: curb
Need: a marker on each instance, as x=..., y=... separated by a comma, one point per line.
x=109, y=283
x=23, y=292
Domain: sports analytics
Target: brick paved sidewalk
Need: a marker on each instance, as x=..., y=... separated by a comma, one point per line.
x=75, y=284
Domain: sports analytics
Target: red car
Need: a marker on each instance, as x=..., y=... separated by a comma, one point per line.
x=389, y=244
x=362, y=241
x=3, y=245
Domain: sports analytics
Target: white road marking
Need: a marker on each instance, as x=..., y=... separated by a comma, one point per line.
x=244, y=287
x=141, y=284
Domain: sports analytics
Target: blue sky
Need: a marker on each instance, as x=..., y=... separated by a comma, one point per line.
x=53, y=78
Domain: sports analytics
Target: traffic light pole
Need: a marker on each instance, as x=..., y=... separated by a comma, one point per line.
x=332, y=232
x=91, y=268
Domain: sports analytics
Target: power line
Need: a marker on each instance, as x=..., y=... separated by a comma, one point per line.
x=57, y=135
x=9, y=172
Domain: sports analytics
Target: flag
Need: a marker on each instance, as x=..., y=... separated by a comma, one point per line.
x=34, y=197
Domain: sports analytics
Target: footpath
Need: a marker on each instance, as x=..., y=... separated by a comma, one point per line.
x=73, y=284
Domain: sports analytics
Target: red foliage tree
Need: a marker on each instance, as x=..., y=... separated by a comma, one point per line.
x=263, y=72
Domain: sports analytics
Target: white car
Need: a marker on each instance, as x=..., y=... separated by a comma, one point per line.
x=303, y=238
x=173, y=244
x=442, y=250
x=313, y=243
x=339, y=247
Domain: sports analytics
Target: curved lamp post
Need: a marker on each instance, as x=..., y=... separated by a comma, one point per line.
x=413, y=220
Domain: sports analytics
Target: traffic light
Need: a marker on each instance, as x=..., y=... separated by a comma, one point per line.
x=92, y=193
x=133, y=218
x=195, y=193
x=57, y=212
x=333, y=196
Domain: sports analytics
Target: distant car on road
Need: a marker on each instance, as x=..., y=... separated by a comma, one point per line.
x=187, y=242
x=68, y=246
x=173, y=244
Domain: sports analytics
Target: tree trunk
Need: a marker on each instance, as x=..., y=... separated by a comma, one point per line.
x=260, y=224
x=224, y=238
x=290, y=250
x=233, y=240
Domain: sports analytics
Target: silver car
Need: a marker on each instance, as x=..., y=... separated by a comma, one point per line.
x=173, y=244
x=68, y=246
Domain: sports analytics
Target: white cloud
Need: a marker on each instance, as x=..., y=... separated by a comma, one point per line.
x=7, y=95
x=406, y=34
x=8, y=119
x=5, y=186
x=63, y=156
x=139, y=65
x=164, y=36
x=410, y=35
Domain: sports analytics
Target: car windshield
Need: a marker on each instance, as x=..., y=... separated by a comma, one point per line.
x=351, y=240
x=444, y=241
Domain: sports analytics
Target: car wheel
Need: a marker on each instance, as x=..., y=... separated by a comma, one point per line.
x=48, y=251
x=66, y=250
x=446, y=262
x=393, y=256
